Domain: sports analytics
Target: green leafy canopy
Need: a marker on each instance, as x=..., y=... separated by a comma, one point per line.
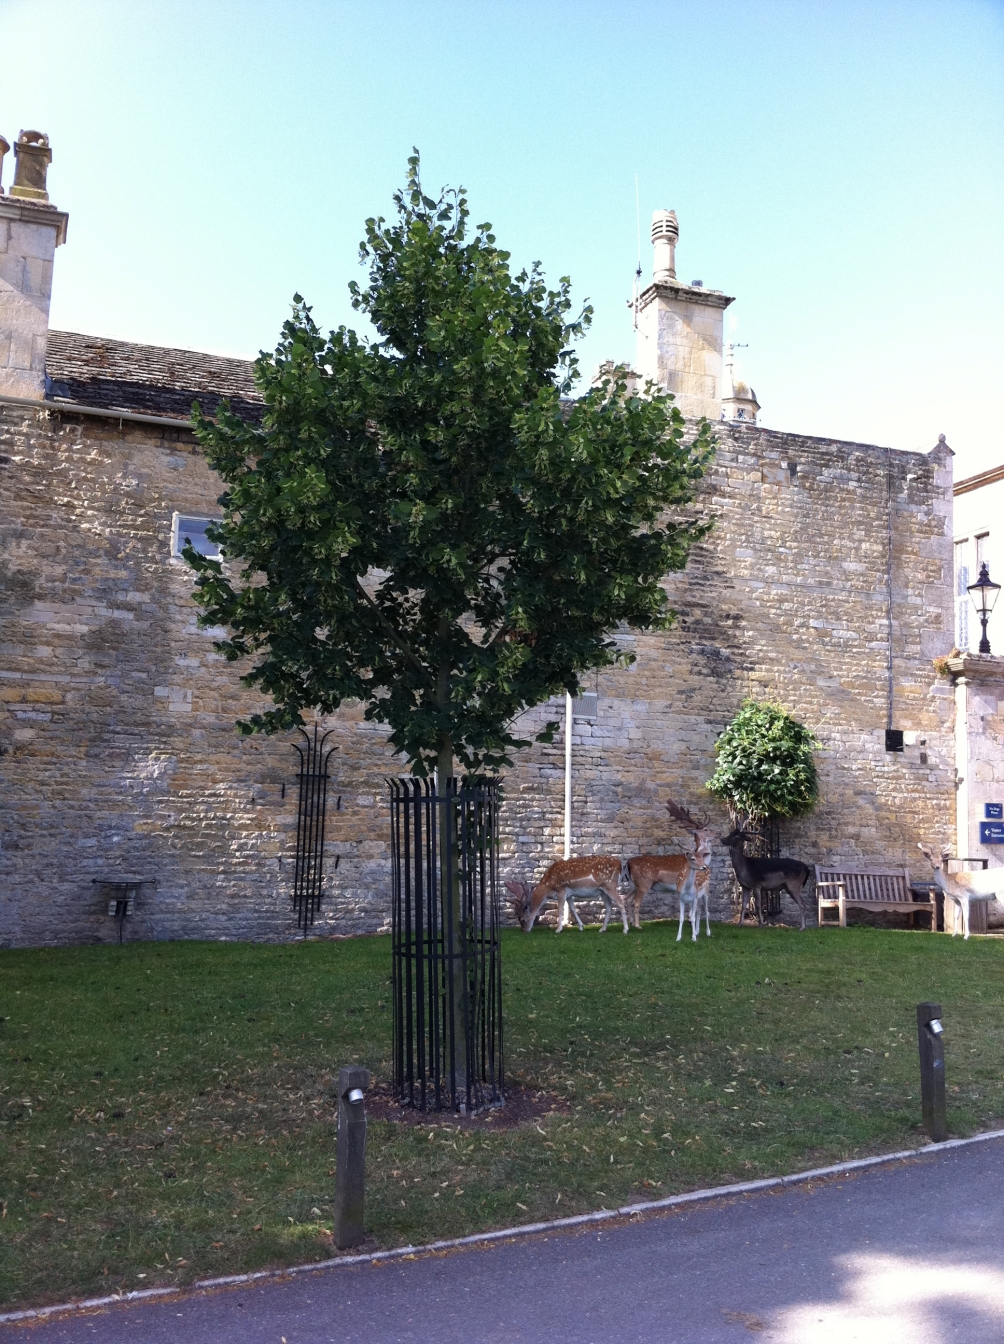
x=765, y=766
x=422, y=522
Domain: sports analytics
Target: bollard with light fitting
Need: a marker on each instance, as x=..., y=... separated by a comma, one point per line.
x=932, y=1070
x=350, y=1178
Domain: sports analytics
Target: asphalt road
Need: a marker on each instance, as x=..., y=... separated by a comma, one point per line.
x=911, y=1253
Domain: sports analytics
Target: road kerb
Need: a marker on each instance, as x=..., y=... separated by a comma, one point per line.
x=510, y=1233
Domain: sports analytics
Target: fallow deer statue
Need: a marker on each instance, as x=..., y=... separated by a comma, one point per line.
x=596, y=876
x=766, y=874
x=961, y=887
x=686, y=874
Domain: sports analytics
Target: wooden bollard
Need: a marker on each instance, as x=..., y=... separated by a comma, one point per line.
x=932, y=1071
x=350, y=1176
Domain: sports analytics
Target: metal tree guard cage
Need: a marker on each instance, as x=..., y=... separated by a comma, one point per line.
x=311, y=805
x=447, y=963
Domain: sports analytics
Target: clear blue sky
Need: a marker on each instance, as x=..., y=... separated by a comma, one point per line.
x=835, y=165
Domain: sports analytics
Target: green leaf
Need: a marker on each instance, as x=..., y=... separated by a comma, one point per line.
x=424, y=522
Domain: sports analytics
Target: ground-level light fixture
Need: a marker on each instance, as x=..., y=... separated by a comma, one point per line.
x=984, y=594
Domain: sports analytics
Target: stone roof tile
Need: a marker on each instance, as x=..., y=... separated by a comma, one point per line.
x=151, y=379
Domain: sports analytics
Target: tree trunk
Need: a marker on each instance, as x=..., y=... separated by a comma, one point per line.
x=449, y=879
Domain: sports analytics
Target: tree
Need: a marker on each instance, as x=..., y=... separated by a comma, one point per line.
x=765, y=766
x=422, y=522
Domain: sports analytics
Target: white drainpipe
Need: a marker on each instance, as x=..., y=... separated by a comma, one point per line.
x=963, y=845
x=568, y=776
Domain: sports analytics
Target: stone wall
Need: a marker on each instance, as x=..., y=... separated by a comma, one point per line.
x=120, y=758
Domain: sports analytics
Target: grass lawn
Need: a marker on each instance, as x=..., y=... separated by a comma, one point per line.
x=167, y=1111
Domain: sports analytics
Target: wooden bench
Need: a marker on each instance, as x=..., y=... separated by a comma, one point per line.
x=838, y=888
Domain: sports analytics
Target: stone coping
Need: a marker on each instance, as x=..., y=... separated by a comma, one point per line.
x=34, y=212
x=976, y=666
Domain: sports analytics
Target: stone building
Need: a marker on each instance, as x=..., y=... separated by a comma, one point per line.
x=826, y=584
x=978, y=678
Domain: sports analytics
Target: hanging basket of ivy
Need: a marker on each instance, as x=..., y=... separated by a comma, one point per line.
x=765, y=767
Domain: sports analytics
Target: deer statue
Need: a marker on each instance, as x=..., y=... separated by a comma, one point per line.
x=686, y=874
x=961, y=887
x=766, y=874
x=596, y=876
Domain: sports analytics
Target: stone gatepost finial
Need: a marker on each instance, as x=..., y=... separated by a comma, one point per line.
x=4, y=147
x=665, y=232
x=32, y=157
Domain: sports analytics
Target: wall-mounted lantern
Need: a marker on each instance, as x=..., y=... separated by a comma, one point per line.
x=984, y=595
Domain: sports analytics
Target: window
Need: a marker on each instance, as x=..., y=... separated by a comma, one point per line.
x=962, y=595
x=193, y=529
x=982, y=550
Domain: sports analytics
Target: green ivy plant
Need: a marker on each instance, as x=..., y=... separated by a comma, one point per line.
x=765, y=766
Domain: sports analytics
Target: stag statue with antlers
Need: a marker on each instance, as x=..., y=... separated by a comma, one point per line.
x=689, y=875
x=763, y=875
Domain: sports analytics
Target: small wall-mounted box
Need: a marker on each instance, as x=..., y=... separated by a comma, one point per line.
x=584, y=706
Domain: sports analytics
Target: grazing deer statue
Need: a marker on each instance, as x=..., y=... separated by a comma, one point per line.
x=686, y=874
x=960, y=887
x=597, y=876
x=766, y=874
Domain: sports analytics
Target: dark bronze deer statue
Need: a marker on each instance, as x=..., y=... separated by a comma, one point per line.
x=766, y=874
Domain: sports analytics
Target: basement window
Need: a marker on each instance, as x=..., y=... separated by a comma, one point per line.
x=184, y=528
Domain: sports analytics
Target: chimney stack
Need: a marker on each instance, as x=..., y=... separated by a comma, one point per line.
x=680, y=329
x=30, y=231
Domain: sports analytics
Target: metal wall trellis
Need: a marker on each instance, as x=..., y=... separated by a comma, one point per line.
x=447, y=963
x=312, y=802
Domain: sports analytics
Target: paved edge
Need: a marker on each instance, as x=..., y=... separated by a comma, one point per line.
x=508, y=1233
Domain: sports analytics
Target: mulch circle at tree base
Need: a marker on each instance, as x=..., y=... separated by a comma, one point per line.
x=523, y=1105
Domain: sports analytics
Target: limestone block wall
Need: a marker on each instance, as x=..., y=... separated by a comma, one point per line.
x=788, y=598
x=120, y=757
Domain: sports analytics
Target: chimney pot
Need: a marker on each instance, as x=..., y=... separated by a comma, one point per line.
x=4, y=147
x=32, y=157
x=665, y=233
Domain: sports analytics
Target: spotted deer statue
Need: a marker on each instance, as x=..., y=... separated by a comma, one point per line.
x=566, y=879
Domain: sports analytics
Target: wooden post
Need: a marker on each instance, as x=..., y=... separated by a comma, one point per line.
x=932, y=1071
x=350, y=1178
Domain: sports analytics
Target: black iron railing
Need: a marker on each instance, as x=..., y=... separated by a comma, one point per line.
x=447, y=964
x=308, y=872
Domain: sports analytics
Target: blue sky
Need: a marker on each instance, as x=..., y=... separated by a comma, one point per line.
x=836, y=166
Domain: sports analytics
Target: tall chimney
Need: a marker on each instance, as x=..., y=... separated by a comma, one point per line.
x=680, y=329
x=30, y=231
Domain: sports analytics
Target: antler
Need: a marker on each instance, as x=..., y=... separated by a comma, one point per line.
x=683, y=816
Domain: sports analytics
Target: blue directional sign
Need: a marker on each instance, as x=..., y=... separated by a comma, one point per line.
x=993, y=811
x=992, y=832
